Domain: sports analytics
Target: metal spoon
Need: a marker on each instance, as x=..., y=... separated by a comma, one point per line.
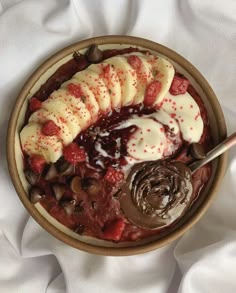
x=215, y=152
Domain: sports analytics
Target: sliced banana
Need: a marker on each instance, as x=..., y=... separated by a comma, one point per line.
x=34, y=142
x=74, y=105
x=43, y=115
x=144, y=77
x=97, y=86
x=127, y=77
x=88, y=98
x=163, y=71
x=109, y=75
x=185, y=110
x=64, y=113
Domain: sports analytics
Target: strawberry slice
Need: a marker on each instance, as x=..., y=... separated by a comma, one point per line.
x=34, y=104
x=106, y=71
x=179, y=86
x=75, y=90
x=113, y=175
x=37, y=163
x=113, y=230
x=50, y=128
x=74, y=154
x=152, y=91
x=135, y=62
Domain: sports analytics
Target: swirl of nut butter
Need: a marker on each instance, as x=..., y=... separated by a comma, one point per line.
x=156, y=193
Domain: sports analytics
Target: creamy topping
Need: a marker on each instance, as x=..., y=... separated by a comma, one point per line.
x=152, y=141
x=156, y=193
x=185, y=110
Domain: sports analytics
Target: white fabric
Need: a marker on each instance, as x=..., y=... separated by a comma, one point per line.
x=204, y=260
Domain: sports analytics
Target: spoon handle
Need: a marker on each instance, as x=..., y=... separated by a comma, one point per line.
x=215, y=152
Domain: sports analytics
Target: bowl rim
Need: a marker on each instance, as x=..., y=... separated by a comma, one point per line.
x=10, y=145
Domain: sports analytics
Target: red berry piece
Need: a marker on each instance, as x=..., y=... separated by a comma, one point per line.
x=74, y=154
x=75, y=90
x=106, y=71
x=50, y=128
x=179, y=86
x=113, y=176
x=37, y=163
x=35, y=104
x=113, y=230
x=135, y=62
x=152, y=91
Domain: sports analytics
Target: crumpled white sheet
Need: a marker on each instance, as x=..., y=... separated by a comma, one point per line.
x=204, y=260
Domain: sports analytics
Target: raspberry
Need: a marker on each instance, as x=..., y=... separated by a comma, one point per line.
x=135, y=62
x=179, y=86
x=74, y=154
x=113, y=230
x=37, y=163
x=35, y=104
x=106, y=71
x=75, y=90
x=152, y=91
x=113, y=176
x=50, y=128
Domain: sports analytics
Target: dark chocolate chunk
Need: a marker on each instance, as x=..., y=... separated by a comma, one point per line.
x=91, y=186
x=94, y=54
x=51, y=172
x=77, y=56
x=31, y=177
x=76, y=185
x=94, y=204
x=36, y=194
x=80, y=229
x=80, y=207
x=59, y=190
x=62, y=165
x=69, y=206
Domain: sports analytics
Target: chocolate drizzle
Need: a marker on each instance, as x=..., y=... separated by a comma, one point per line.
x=156, y=193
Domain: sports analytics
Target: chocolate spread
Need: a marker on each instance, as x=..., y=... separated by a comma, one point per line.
x=156, y=193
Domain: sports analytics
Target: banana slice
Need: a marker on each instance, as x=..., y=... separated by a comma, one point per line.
x=185, y=110
x=75, y=107
x=42, y=115
x=163, y=71
x=109, y=75
x=144, y=77
x=127, y=77
x=97, y=86
x=33, y=141
x=88, y=98
x=64, y=113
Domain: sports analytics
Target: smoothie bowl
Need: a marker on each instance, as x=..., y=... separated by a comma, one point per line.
x=99, y=140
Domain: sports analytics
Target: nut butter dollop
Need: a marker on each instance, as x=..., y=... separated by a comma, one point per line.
x=156, y=193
